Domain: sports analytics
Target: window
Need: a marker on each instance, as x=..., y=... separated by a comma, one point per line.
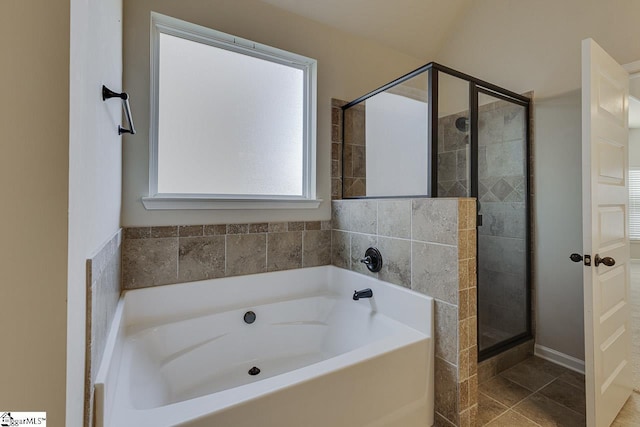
x=634, y=203
x=233, y=121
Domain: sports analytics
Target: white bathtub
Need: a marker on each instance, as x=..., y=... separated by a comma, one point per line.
x=180, y=354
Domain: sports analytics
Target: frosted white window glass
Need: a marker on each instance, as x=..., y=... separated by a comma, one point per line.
x=634, y=203
x=228, y=123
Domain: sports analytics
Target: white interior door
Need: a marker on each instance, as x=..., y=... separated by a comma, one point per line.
x=605, y=159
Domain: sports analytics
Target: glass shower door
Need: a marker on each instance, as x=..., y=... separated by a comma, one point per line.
x=503, y=265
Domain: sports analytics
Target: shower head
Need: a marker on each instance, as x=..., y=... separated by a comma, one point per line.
x=462, y=124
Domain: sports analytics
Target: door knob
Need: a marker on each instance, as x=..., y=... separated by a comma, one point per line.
x=578, y=258
x=608, y=261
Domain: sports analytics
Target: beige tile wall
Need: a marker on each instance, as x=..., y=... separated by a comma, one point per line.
x=427, y=245
x=103, y=291
x=467, y=313
x=154, y=256
x=336, y=148
x=354, y=157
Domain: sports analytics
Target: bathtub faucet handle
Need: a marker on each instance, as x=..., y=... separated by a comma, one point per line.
x=372, y=259
x=365, y=293
x=366, y=260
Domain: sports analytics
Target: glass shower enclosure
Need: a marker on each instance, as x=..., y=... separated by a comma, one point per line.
x=438, y=132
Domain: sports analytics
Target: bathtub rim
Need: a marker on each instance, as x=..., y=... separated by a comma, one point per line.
x=106, y=384
x=142, y=306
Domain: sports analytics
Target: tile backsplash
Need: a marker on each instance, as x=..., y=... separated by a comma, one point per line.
x=103, y=292
x=174, y=254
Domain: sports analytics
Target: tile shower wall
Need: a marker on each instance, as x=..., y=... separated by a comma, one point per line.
x=453, y=155
x=174, y=254
x=502, y=193
x=103, y=291
x=349, y=167
x=428, y=245
x=355, y=155
x=336, y=148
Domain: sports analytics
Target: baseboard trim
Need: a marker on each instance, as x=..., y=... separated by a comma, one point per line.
x=559, y=358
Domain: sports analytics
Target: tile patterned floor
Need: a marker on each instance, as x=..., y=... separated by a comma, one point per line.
x=539, y=393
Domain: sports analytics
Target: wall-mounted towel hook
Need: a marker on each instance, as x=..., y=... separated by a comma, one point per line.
x=107, y=94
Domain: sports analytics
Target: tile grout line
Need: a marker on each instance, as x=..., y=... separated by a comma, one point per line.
x=524, y=416
x=538, y=391
x=411, y=244
x=501, y=404
x=266, y=250
x=400, y=238
x=558, y=403
x=509, y=408
x=513, y=408
x=524, y=386
x=178, y=258
x=531, y=393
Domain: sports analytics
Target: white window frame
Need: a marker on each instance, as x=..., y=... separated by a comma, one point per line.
x=162, y=24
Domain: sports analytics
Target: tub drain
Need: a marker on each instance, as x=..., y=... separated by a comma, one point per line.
x=254, y=371
x=249, y=317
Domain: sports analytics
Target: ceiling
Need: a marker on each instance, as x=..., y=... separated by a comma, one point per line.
x=415, y=27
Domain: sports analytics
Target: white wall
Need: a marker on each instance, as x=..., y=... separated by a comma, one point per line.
x=396, y=132
x=634, y=147
x=558, y=204
x=347, y=68
x=95, y=166
x=34, y=118
x=535, y=46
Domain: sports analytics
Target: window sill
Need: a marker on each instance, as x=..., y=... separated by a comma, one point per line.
x=192, y=203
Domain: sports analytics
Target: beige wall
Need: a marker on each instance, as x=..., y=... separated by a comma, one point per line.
x=536, y=46
x=34, y=118
x=347, y=68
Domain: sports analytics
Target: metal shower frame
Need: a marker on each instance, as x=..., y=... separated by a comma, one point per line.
x=476, y=87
